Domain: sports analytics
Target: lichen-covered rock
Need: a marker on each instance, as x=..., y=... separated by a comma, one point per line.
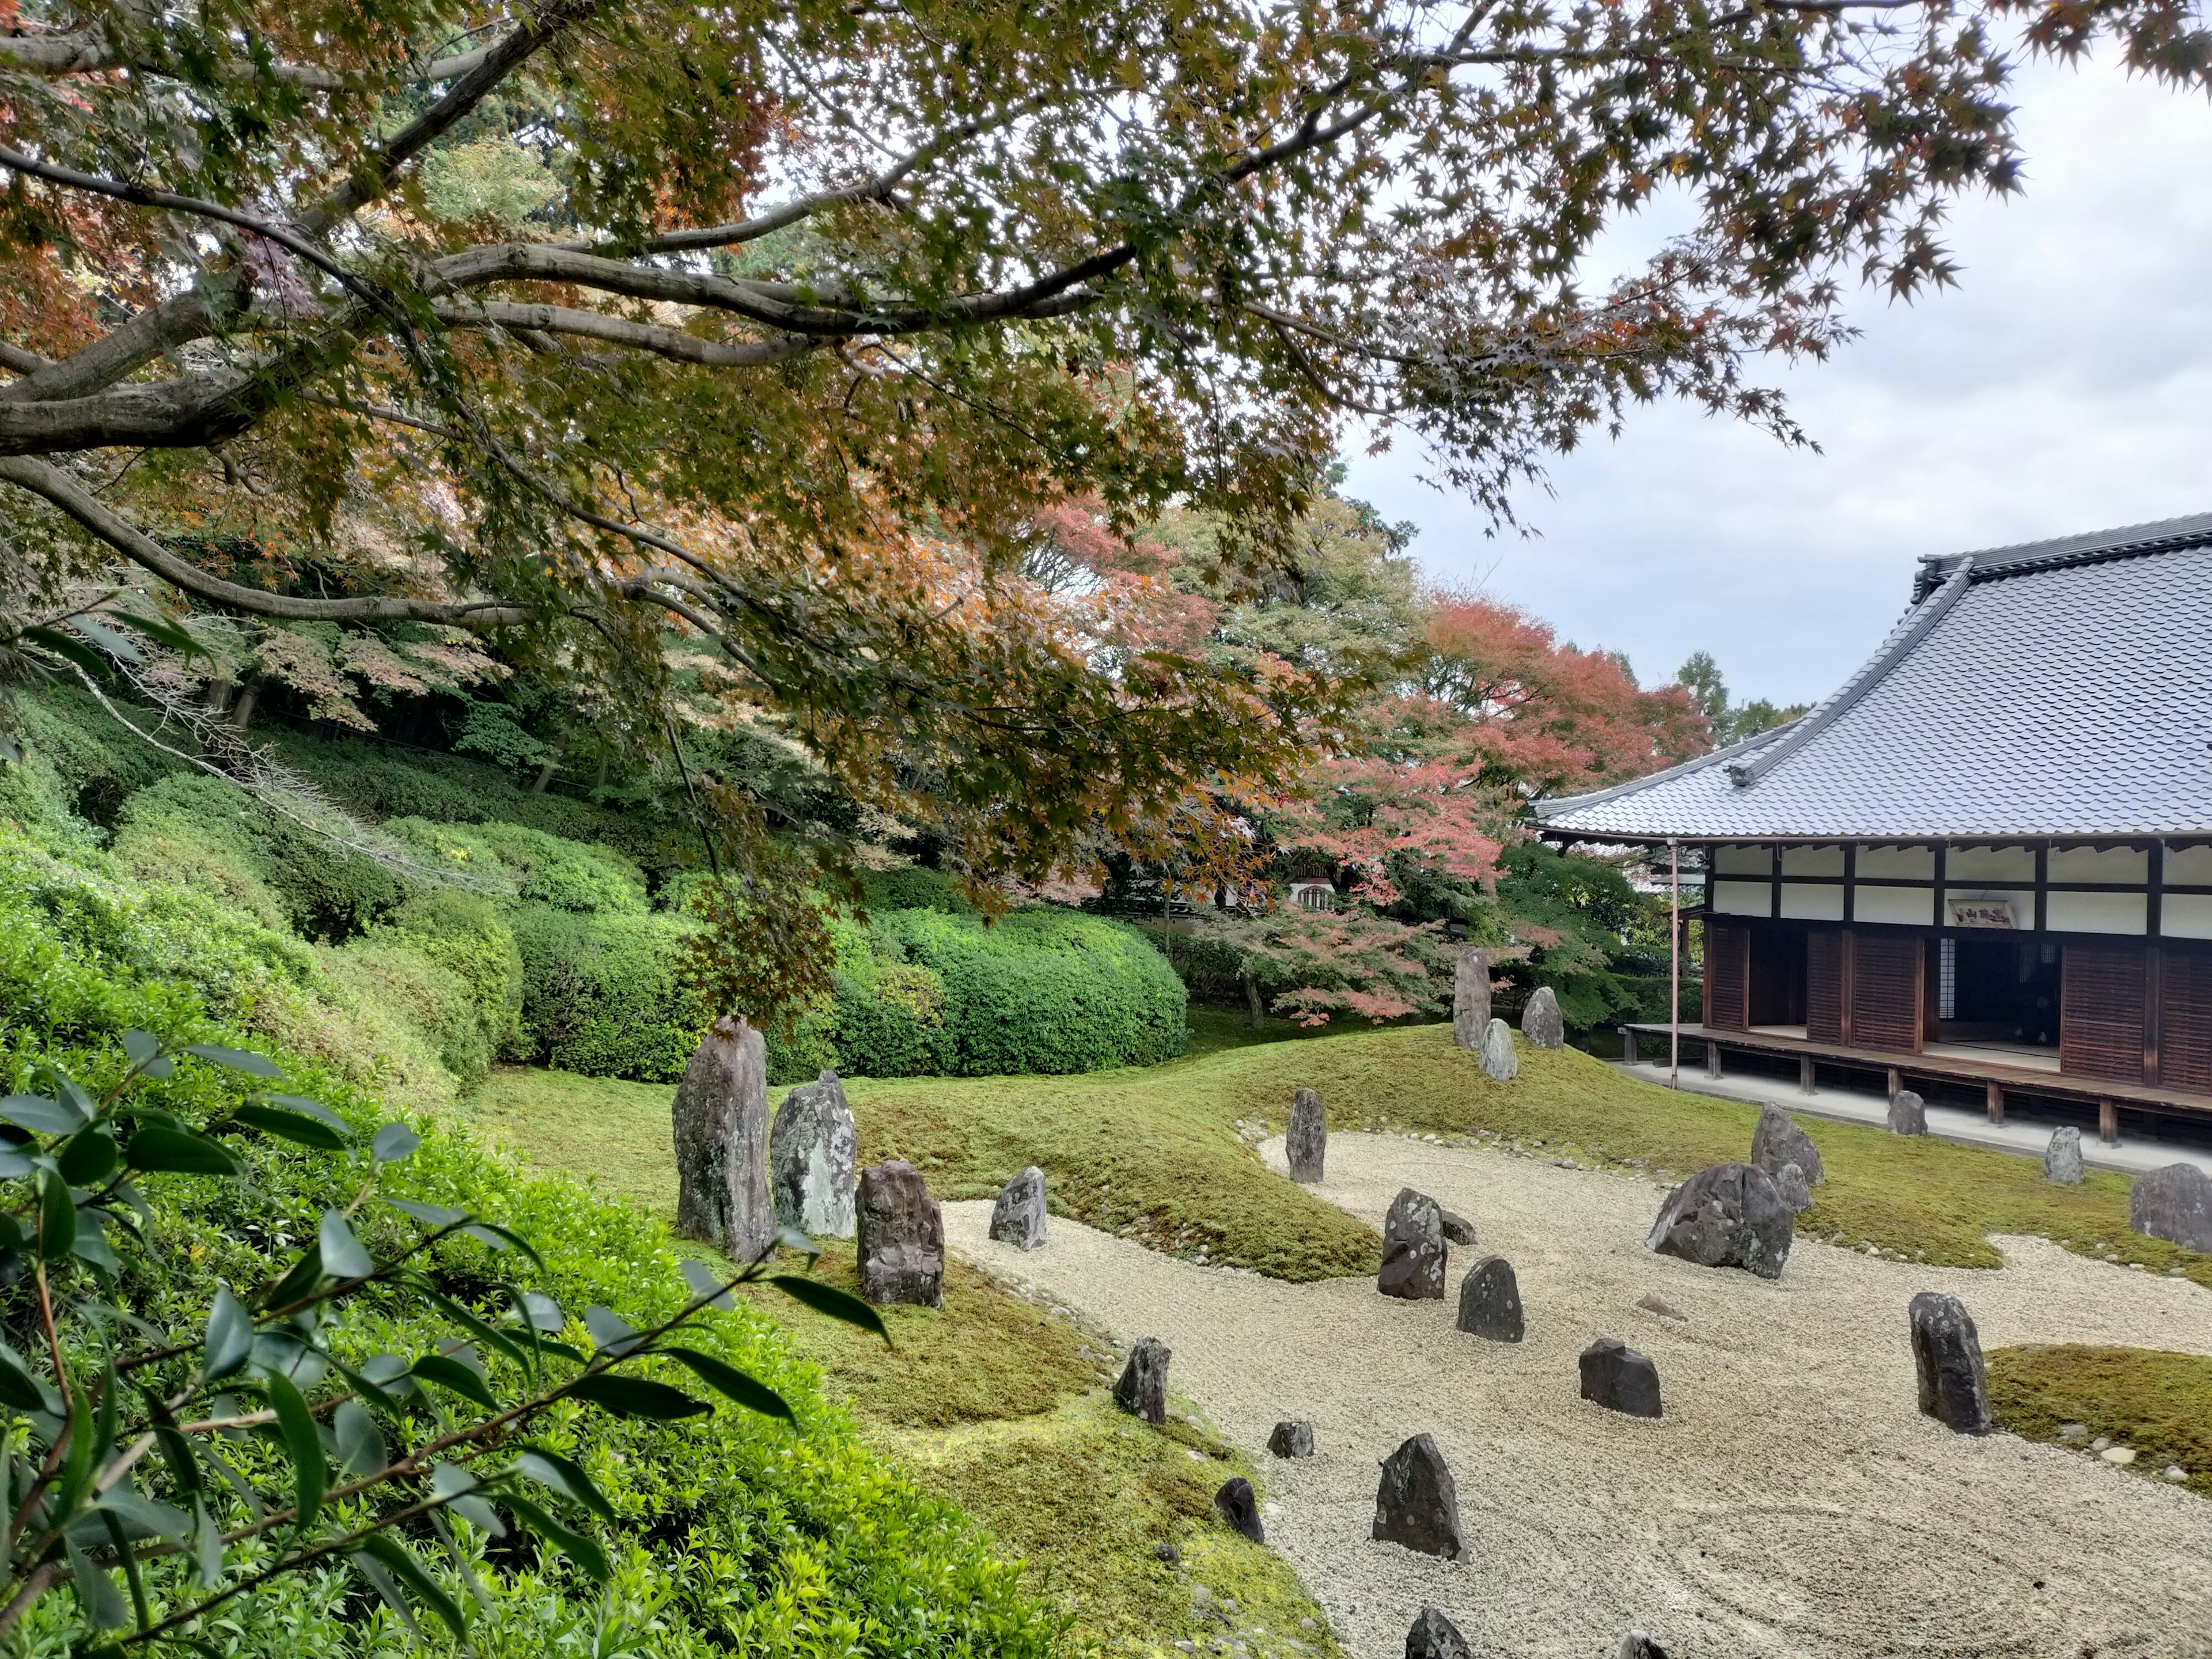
x=1292, y=1438
x=1489, y=1301
x=1908, y=1114
x=2061, y=1158
x=1435, y=1636
x=1947, y=1354
x=1458, y=1230
x=1728, y=1216
x=1017, y=1218
x=1143, y=1388
x=1499, y=1058
x=1778, y=1141
x=1637, y=1645
x=1416, y=1503
x=1236, y=1505
x=902, y=1244
x=812, y=1155
x=1413, y=1248
x=1619, y=1378
x=2174, y=1204
x=1305, y=1143
x=1470, y=998
x=1541, y=1021
x=1790, y=1182
x=720, y=1122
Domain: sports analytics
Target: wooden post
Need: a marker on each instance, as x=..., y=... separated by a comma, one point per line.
x=2108, y=1123
x=1628, y=1045
x=1804, y=1074
x=1674, y=957
x=1712, y=1058
x=1996, y=1102
x=1896, y=1083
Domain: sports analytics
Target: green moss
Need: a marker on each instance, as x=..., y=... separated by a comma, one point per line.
x=2159, y=1403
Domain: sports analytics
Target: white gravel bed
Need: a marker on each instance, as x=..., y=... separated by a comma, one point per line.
x=1792, y=1503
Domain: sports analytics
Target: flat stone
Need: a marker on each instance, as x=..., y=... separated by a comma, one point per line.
x=901, y=1244
x=1018, y=1217
x=1416, y=1503
x=2174, y=1204
x=1413, y=1248
x=1435, y=1636
x=1778, y=1141
x=1470, y=998
x=1729, y=1216
x=2061, y=1158
x=2121, y=1454
x=1293, y=1438
x=1789, y=1184
x=1143, y=1390
x=811, y=1160
x=1947, y=1355
x=1306, y=1144
x=1908, y=1114
x=1541, y=1021
x=1489, y=1301
x=1662, y=1306
x=2175, y=1471
x=2072, y=1431
x=1499, y=1059
x=1458, y=1230
x=719, y=1119
x=1619, y=1378
x=1235, y=1504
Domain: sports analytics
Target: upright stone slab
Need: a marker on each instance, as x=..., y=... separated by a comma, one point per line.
x=1947, y=1354
x=1790, y=1182
x=1470, y=998
x=1729, y=1216
x=1416, y=1503
x=1908, y=1114
x=1237, y=1505
x=902, y=1237
x=1017, y=1218
x=1499, y=1058
x=1306, y=1144
x=1619, y=1378
x=1458, y=1230
x=811, y=1154
x=720, y=1121
x=1489, y=1301
x=1637, y=1645
x=1413, y=1248
x=2061, y=1158
x=1778, y=1141
x=1541, y=1021
x=1292, y=1438
x=2174, y=1204
x=1435, y=1636
x=1143, y=1390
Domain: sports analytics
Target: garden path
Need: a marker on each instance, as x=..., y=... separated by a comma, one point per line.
x=1792, y=1505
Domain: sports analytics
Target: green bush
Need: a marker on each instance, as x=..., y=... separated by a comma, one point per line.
x=83, y=760
x=436, y=1001
x=913, y=889
x=464, y=933
x=599, y=993
x=530, y=863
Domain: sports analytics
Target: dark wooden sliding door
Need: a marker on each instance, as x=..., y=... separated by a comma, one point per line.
x=1886, y=989
x=1728, y=975
x=2102, y=992
x=1824, y=986
x=2185, y=1020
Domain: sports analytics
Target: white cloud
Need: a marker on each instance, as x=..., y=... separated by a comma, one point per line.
x=2065, y=385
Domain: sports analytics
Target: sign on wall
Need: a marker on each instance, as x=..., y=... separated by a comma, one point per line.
x=1983, y=913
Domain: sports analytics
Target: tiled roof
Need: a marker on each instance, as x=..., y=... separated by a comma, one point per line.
x=2059, y=688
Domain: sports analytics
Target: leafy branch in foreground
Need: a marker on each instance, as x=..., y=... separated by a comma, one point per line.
x=200, y=1464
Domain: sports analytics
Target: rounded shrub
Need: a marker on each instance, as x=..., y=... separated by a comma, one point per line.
x=432, y=998
x=464, y=933
x=599, y=992
x=529, y=864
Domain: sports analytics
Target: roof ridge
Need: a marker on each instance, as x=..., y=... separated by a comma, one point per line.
x=2058, y=552
x=1681, y=768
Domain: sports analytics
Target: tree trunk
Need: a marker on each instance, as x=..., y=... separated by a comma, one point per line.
x=545, y=776
x=1252, y=1000
x=242, y=711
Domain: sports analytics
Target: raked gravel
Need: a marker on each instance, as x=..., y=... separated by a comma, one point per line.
x=1792, y=1502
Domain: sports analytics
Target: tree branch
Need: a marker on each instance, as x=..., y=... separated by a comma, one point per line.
x=86, y=51
x=617, y=331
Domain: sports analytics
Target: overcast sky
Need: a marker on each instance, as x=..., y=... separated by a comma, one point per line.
x=2065, y=384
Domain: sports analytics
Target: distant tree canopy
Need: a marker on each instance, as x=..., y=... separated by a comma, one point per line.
x=1730, y=722
x=748, y=352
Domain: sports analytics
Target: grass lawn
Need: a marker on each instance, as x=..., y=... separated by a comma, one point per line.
x=2159, y=1403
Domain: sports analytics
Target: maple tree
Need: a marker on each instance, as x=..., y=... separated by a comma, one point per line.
x=781, y=331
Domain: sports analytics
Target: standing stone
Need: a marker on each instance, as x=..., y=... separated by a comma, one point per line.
x=1470, y=998
x=1541, y=1021
x=811, y=1155
x=1458, y=1230
x=1489, y=1301
x=1728, y=1216
x=1790, y=1182
x=1619, y=1378
x=1143, y=1390
x=1293, y=1438
x=1435, y=1636
x=1637, y=1645
x=721, y=1118
x=901, y=1237
x=1498, y=1059
x=1235, y=1504
x=1413, y=1248
x=1306, y=1144
x=1908, y=1114
x=2061, y=1158
x=1017, y=1218
x=1416, y=1505
x=1947, y=1352
x=2174, y=1204
x=1778, y=1141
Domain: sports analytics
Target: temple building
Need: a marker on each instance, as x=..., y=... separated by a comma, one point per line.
x=1987, y=860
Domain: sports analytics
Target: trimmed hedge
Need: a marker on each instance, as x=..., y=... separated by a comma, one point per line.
x=599, y=993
